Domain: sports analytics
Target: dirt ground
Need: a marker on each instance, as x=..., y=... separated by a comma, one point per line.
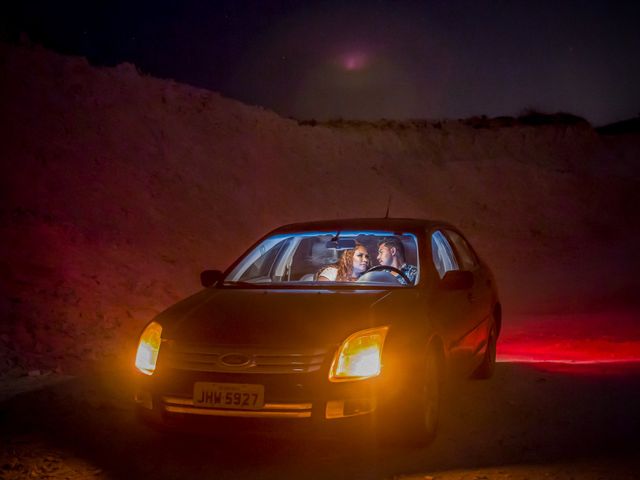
x=529, y=421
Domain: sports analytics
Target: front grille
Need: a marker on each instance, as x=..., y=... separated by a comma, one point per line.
x=202, y=358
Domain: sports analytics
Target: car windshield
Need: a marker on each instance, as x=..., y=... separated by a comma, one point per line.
x=324, y=258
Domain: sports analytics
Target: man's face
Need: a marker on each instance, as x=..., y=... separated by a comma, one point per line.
x=385, y=255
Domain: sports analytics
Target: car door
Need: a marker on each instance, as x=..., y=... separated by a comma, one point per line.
x=479, y=296
x=451, y=309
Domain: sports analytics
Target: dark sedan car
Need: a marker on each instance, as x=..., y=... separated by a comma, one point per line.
x=325, y=324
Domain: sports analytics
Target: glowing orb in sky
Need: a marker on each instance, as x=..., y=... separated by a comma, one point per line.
x=354, y=61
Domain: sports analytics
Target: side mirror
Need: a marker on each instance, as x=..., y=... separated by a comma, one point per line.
x=456, y=280
x=210, y=277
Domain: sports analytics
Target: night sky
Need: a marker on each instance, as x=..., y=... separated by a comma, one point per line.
x=365, y=60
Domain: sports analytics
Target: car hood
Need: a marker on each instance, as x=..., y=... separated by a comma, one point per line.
x=270, y=317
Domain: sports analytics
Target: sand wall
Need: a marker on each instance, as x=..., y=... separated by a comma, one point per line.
x=118, y=188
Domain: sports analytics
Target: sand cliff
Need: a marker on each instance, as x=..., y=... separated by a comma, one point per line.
x=118, y=188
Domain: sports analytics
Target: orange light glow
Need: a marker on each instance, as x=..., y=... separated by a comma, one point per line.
x=148, y=348
x=360, y=356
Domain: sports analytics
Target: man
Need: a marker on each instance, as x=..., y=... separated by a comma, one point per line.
x=391, y=254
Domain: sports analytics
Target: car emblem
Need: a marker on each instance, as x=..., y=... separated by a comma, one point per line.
x=235, y=360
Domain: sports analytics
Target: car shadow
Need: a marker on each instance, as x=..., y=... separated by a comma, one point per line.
x=524, y=414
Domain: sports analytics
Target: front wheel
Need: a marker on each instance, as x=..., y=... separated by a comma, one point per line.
x=418, y=421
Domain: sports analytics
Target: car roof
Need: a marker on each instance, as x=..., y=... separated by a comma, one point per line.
x=396, y=225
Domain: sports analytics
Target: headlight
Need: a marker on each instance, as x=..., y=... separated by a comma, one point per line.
x=359, y=356
x=148, y=347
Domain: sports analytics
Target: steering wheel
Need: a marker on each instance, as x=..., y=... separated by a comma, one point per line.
x=391, y=269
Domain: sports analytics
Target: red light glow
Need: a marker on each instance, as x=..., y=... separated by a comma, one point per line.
x=572, y=338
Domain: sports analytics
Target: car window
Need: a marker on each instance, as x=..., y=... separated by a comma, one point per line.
x=331, y=258
x=463, y=250
x=264, y=262
x=443, y=256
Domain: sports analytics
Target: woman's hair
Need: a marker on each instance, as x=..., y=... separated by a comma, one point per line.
x=345, y=264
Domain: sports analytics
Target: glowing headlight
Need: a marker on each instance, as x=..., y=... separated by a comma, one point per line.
x=359, y=356
x=148, y=347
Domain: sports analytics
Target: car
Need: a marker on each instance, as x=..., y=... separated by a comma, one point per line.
x=333, y=325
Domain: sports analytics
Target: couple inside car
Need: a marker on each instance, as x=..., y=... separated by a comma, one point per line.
x=356, y=261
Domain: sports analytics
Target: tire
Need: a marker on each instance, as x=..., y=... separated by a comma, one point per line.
x=488, y=365
x=418, y=422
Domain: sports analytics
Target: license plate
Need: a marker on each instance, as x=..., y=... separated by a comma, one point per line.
x=228, y=395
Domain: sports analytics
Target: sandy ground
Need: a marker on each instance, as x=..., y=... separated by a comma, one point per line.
x=529, y=421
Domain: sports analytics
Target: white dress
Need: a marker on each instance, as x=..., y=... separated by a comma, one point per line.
x=330, y=273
